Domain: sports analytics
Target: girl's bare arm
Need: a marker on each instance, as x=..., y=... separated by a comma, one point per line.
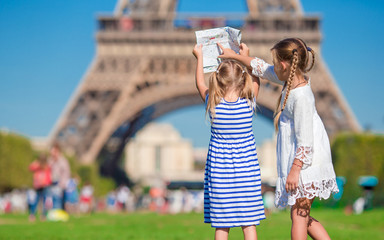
x=259, y=68
x=229, y=53
x=199, y=76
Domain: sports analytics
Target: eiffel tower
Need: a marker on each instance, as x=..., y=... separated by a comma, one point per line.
x=143, y=69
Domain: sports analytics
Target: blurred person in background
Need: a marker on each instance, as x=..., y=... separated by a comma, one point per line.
x=111, y=202
x=61, y=173
x=86, y=198
x=71, y=199
x=41, y=181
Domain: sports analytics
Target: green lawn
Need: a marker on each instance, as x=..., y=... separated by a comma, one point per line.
x=369, y=225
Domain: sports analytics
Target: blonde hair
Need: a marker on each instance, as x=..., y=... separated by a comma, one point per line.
x=229, y=74
x=295, y=52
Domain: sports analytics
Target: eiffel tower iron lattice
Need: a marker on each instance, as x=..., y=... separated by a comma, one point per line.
x=143, y=68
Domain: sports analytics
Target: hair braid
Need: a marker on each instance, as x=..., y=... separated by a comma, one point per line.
x=278, y=111
x=291, y=76
x=313, y=61
x=307, y=50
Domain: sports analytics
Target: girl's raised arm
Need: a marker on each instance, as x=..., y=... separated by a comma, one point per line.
x=264, y=70
x=229, y=53
x=258, y=66
x=199, y=75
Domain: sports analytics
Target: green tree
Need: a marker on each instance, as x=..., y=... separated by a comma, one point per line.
x=355, y=155
x=16, y=154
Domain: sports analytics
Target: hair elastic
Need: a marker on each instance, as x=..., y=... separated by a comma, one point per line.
x=217, y=71
x=309, y=49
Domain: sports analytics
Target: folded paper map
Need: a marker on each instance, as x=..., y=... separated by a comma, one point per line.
x=226, y=36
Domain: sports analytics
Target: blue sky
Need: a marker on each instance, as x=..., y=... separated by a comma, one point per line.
x=47, y=45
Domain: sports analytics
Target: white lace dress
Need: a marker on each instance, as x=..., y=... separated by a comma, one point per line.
x=302, y=136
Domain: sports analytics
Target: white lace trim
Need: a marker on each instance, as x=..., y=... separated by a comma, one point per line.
x=321, y=189
x=259, y=66
x=304, y=154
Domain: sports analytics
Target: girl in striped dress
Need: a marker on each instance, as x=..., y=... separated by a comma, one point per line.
x=232, y=185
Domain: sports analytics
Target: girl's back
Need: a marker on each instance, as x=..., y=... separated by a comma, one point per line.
x=233, y=121
x=232, y=169
x=232, y=183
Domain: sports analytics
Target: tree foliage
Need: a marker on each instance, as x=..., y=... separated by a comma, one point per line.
x=16, y=154
x=356, y=155
x=89, y=174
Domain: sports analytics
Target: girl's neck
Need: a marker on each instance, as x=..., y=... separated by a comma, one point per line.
x=231, y=95
x=298, y=81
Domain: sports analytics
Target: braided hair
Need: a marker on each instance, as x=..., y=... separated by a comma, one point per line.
x=295, y=52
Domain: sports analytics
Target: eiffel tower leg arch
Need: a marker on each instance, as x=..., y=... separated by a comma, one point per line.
x=110, y=155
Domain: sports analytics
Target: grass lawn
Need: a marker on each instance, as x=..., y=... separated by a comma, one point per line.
x=369, y=225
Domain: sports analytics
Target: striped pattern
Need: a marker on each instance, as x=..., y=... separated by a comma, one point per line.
x=232, y=185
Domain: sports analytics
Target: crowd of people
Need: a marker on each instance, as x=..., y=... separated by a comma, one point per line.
x=39, y=202
x=55, y=188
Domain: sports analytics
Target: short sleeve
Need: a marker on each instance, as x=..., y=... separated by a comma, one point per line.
x=206, y=106
x=264, y=70
x=303, y=111
x=253, y=104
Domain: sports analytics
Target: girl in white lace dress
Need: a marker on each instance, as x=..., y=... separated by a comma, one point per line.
x=304, y=162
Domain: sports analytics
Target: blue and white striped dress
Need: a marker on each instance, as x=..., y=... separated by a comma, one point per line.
x=232, y=184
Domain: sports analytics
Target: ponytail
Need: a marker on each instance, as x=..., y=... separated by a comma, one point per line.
x=215, y=93
x=313, y=59
x=246, y=91
x=307, y=50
